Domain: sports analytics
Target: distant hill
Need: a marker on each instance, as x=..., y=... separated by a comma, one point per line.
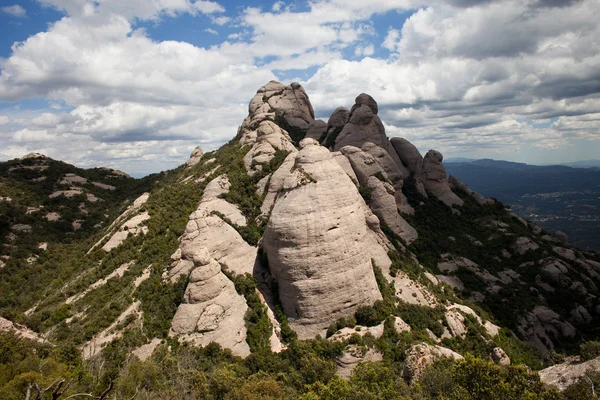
x=556, y=197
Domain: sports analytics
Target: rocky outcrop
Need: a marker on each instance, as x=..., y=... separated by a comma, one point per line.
x=212, y=310
x=19, y=330
x=315, y=242
x=421, y=356
x=499, y=356
x=276, y=100
x=395, y=173
x=382, y=200
x=383, y=204
x=541, y=327
x=457, y=184
x=317, y=130
x=352, y=356
x=434, y=179
x=565, y=374
x=523, y=244
x=364, y=125
x=195, y=157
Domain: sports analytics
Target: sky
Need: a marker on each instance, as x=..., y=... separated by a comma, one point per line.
x=136, y=85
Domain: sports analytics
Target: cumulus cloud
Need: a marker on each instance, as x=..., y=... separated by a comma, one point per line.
x=457, y=75
x=14, y=10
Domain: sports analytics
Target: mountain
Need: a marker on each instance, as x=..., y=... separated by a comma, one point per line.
x=557, y=198
x=303, y=259
x=584, y=164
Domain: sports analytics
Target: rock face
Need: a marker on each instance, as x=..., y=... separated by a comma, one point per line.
x=288, y=102
x=316, y=240
x=383, y=199
x=353, y=355
x=195, y=157
x=411, y=159
x=563, y=375
x=274, y=101
x=434, y=179
x=317, y=130
x=212, y=310
x=457, y=184
x=541, y=326
x=421, y=356
x=500, y=357
x=364, y=125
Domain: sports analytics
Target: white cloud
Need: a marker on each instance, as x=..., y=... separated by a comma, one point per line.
x=461, y=75
x=278, y=6
x=14, y=10
x=211, y=31
x=222, y=20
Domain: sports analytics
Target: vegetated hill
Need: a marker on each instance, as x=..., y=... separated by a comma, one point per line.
x=274, y=266
x=558, y=198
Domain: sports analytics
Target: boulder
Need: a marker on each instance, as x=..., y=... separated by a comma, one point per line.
x=565, y=374
x=353, y=355
x=395, y=173
x=541, y=326
x=420, y=356
x=524, y=244
x=562, y=237
x=500, y=357
x=317, y=130
x=383, y=204
x=364, y=126
x=316, y=240
x=195, y=157
x=433, y=177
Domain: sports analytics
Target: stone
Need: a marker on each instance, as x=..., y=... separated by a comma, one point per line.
x=212, y=310
x=195, y=157
x=453, y=281
x=383, y=204
x=317, y=130
x=395, y=173
x=338, y=118
x=434, y=179
x=315, y=241
x=562, y=237
x=567, y=373
x=352, y=356
x=457, y=184
x=343, y=162
x=524, y=244
x=499, y=356
x=421, y=356
x=541, y=326
x=568, y=254
x=364, y=126
x=276, y=184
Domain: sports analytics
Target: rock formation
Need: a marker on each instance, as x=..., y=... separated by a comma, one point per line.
x=316, y=240
x=212, y=310
x=195, y=157
x=457, y=184
x=364, y=125
x=421, y=356
x=434, y=179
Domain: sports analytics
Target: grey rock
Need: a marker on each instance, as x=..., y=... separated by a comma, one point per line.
x=195, y=157
x=433, y=177
x=315, y=241
x=317, y=130
x=499, y=356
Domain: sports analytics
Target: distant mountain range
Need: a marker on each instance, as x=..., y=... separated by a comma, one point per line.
x=575, y=164
x=557, y=197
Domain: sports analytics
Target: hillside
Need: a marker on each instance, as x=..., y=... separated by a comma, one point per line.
x=557, y=198
x=303, y=259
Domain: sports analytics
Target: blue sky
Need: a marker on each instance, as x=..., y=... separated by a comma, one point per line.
x=136, y=85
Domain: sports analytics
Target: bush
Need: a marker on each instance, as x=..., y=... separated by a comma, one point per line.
x=589, y=350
